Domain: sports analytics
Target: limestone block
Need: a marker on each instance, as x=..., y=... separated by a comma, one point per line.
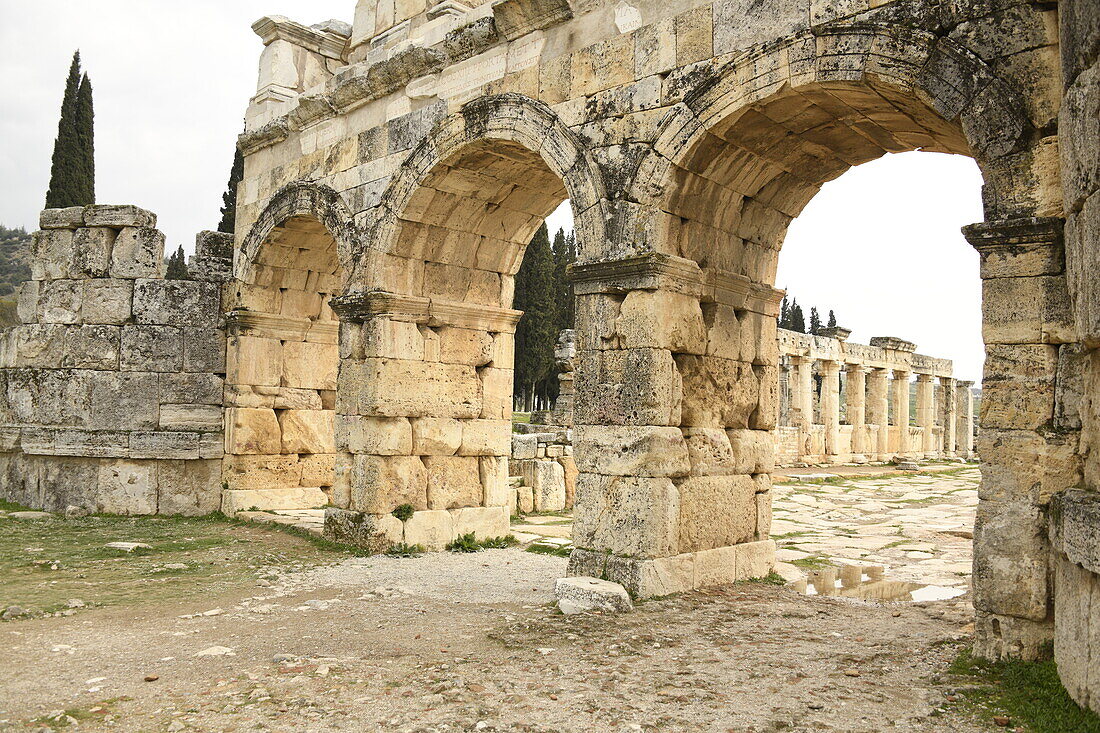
x=309, y=365
x=387, y=339
x=627, y=515
x=151, y=349
x=1023, y=310
x=569, y=467
x=398, y=388
x=436, y=436
x=763, y=515
x=432, y=530
x=92, y=251
x=258, y=472
x=718, y=393
x=584, y=593
x=292, y=398
x=484, y=521
x=380, y=436
x=1018, y=386
x=755, y=559
x=714, y=567
x=1010, y=577
x=546, y=478
x=74, y=442
x=496, y=393
x=27, y=301
x=380, y=484
x=485, y=438
x=123, y=401
x=197, y=418
x=92, y=347
x=286, y=497
x=107, y=301
x=453, y=482
x=59, y=301
x=318, y=469
x=753, y=451
x=631, y=450
x=126, y=487
x=780, y=17
x=375, y=532
x=716, y=511
x=524, y=446
x=1075, y=527
x=465, y=346
x=49, y=396
x=138, y=252
x=710, y=452
x=53, y=254
x=494, y=481
x=176, y=302
x=628, y=387
x=724, y=333
x=203, y=350
x=659, y=319
x=525, y=499
x=190, y=488
x=766, y=411
x=118, y=216
x=68, y=218
x=1080, y=107
x=254, y=361
x=252, y=431
x=204, y=389
x=1076, y=630
x=307, y=431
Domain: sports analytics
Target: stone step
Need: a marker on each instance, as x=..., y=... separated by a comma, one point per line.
x=295, y=497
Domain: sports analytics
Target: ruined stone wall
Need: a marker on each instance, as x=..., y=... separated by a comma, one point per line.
x=1075, y=514
x=111, y=387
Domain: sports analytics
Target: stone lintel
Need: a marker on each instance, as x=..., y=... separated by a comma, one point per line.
x=516, y=18
x=273, y=132
x=893, y=343
x=1018, y=247
x=359, y=307
x=738, y=291
x=273, y=28
x=1075, y=527
x=278, y=326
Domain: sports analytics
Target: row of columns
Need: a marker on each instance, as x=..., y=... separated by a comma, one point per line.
x=868, y=399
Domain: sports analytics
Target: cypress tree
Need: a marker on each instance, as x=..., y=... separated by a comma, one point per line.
x=784, y=314
x=815, y=322
x=177, y=266
x=564, y=252
x=71, y=171
x=85, y=135
x=798, y=321
x=229, y=198
x=832, y=319
x=535, y=333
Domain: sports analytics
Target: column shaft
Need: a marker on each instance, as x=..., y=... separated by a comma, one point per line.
x=830, y=406
x=899, y=397
x=926, y=416
x=855, y=398
x=949, y=407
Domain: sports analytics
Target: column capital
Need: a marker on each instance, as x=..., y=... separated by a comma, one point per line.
x=904, y=374
x=855, y=368
x=925, y=378
x=1018, y=247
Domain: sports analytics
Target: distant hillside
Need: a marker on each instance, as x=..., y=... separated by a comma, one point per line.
x=15, y=258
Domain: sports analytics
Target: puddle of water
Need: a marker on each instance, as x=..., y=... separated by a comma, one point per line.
x=868, y=584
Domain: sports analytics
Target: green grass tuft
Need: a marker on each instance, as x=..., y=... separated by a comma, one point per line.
x=772, y=578
x=403, y=550
x=549, y=550
x=404, y=512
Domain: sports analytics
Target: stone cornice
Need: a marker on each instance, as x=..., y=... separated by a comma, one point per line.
x=358, y=307
x=284, y=328
x=985, y=235
x=272, y=28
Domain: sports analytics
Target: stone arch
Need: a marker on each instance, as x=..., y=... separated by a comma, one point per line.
x=526, y=158
x=282, y=357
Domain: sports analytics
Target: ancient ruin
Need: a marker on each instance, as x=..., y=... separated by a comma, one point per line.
x=395, y=169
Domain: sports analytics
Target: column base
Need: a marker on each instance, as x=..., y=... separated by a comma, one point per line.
x=680, y=573
x=857, y=458
x=431, y=529
x=999, y=637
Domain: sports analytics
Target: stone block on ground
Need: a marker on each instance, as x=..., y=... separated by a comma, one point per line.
x=298, y=497
x=375, y=532
x=583, y=593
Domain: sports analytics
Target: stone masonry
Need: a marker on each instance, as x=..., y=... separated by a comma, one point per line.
x=396, y=167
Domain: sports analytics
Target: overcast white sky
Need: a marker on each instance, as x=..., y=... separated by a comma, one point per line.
x=880, y=245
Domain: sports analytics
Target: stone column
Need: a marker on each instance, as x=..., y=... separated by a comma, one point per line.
x=802, y=392
x=948, y=414
x=855, y=397
x=878, y=411
x=926, y=414
x=784, y=417
x=672, y=432
x=964, y=420
x=899, y=398
x=1025, y=315
x=830, y=407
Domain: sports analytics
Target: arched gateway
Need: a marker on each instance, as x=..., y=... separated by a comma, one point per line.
x=396, y=168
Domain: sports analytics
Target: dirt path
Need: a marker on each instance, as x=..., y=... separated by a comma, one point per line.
x=470, y=642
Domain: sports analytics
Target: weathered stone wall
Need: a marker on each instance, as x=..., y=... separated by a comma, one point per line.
x=112, y=385
x=1075, y=518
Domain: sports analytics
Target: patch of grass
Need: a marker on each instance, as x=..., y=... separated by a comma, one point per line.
x=403, y=550
x=1028, y=693
x=554, y=550
x=813, y=562
x=791, y=535
x=404, y=512
x=772, y=578
x=499, y=543
x=11, y=506
x=470, y=543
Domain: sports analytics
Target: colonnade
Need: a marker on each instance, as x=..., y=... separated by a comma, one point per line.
x=851, y=403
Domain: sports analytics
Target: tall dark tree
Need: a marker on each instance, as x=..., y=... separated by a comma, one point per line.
x=536, y=332
x=72, y=172
x=177, y=266
x=798, y=320
x=784, y=314
x=564, y=248
x=832, y=319
x=815, y=322
x=229, y=198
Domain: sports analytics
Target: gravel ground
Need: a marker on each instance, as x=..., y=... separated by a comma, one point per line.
x=470, y=642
